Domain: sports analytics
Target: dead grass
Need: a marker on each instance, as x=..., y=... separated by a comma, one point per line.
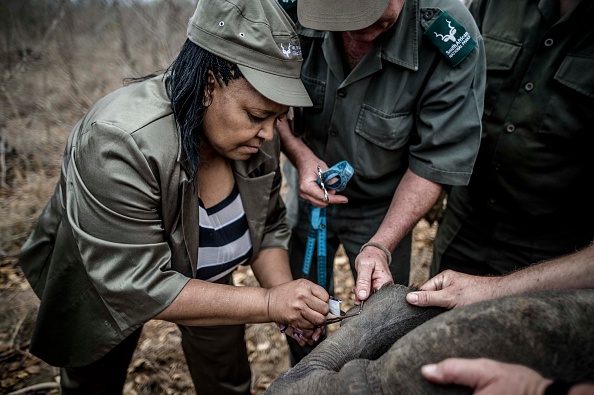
x=69, y=67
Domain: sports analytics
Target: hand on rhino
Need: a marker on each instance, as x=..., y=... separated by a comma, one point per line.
x=382, y=350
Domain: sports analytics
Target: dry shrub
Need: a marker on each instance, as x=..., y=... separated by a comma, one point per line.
x=56, y=65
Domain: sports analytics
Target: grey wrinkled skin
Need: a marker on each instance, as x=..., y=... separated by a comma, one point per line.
x=381, y=351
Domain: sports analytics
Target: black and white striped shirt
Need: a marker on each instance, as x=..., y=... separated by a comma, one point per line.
x=224, y=238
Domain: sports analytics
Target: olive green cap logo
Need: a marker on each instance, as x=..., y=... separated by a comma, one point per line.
x=451, y=38
x=260, y=38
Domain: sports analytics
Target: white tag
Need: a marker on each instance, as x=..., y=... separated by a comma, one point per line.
x=334, y=304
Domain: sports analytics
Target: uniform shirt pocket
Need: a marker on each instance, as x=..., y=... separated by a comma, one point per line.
x=381, y=137
x=576, y=73
x=501, y=57
x=568, y=118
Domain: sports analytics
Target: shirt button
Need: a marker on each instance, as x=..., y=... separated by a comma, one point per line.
x=342, y=92
x=549, y=42
x=428, y=14
x=492, y=200
x=496, y=166
x=510, y=128
x=333, y=132
x=529, y=86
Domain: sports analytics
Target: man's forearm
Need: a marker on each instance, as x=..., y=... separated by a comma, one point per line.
x=413, y=198
x=292, y=146
x=573, y=271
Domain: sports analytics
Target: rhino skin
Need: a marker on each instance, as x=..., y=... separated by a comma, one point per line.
x=381, y=351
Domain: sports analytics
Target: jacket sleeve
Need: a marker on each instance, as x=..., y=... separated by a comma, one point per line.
x=450, y=111
x=277, y=232
x=112, y=206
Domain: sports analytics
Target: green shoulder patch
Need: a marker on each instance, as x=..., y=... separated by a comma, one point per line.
x=450, y=37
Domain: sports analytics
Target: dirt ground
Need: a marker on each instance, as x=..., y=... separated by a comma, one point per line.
x=158, y=365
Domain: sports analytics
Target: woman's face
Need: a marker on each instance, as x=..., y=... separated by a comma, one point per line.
x=238, y=119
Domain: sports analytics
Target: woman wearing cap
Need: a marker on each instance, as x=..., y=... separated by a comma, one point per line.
x=167, y=185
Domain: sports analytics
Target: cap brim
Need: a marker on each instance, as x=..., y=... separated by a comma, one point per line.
x=283, y=90
x=340, y=15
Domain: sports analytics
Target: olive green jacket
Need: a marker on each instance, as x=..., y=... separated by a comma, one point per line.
x=118, y=240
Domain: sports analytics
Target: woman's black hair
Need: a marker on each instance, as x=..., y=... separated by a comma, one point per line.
x=188, y=78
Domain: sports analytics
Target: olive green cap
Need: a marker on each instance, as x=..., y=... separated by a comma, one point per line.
x=340, y=15
x=260, y=38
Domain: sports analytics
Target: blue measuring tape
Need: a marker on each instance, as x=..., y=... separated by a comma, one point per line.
x=343, y=172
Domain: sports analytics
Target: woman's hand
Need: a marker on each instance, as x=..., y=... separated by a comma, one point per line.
x=299, y=304
x=302, y=336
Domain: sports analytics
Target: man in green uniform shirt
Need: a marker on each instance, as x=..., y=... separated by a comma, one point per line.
x=528, y=199
x=397, y=90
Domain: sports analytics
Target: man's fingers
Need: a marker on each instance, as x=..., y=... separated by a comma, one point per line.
x=381, y=280
x=431, y=298
x=363, y=286
x=419, y=298
x=455, y=371
x=435, y=283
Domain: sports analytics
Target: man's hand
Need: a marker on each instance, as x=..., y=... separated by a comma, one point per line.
x=309, y=188
x=486, y=376
x=372, y=272
x=307, y=164
x=451, y=289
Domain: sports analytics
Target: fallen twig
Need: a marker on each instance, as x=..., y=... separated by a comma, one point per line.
x=36, y=387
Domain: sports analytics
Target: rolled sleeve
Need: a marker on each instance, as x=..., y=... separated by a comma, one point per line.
x=112, y=207
x=449, y=125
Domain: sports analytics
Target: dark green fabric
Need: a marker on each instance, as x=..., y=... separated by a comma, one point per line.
x=529, y=196
x=105, y=376
x=217, y=359
x=404, y=105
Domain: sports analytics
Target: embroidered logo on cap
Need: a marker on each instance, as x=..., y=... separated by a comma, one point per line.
x=451, y=38
x=290, y=50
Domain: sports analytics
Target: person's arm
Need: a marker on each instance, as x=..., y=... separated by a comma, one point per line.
x=306, y=162
x=272, y=269
x=300, y=303
x=452, y=289
x=413, y=198
x=493, y=377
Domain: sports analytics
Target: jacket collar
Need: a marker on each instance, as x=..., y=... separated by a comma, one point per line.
x=246, y=167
